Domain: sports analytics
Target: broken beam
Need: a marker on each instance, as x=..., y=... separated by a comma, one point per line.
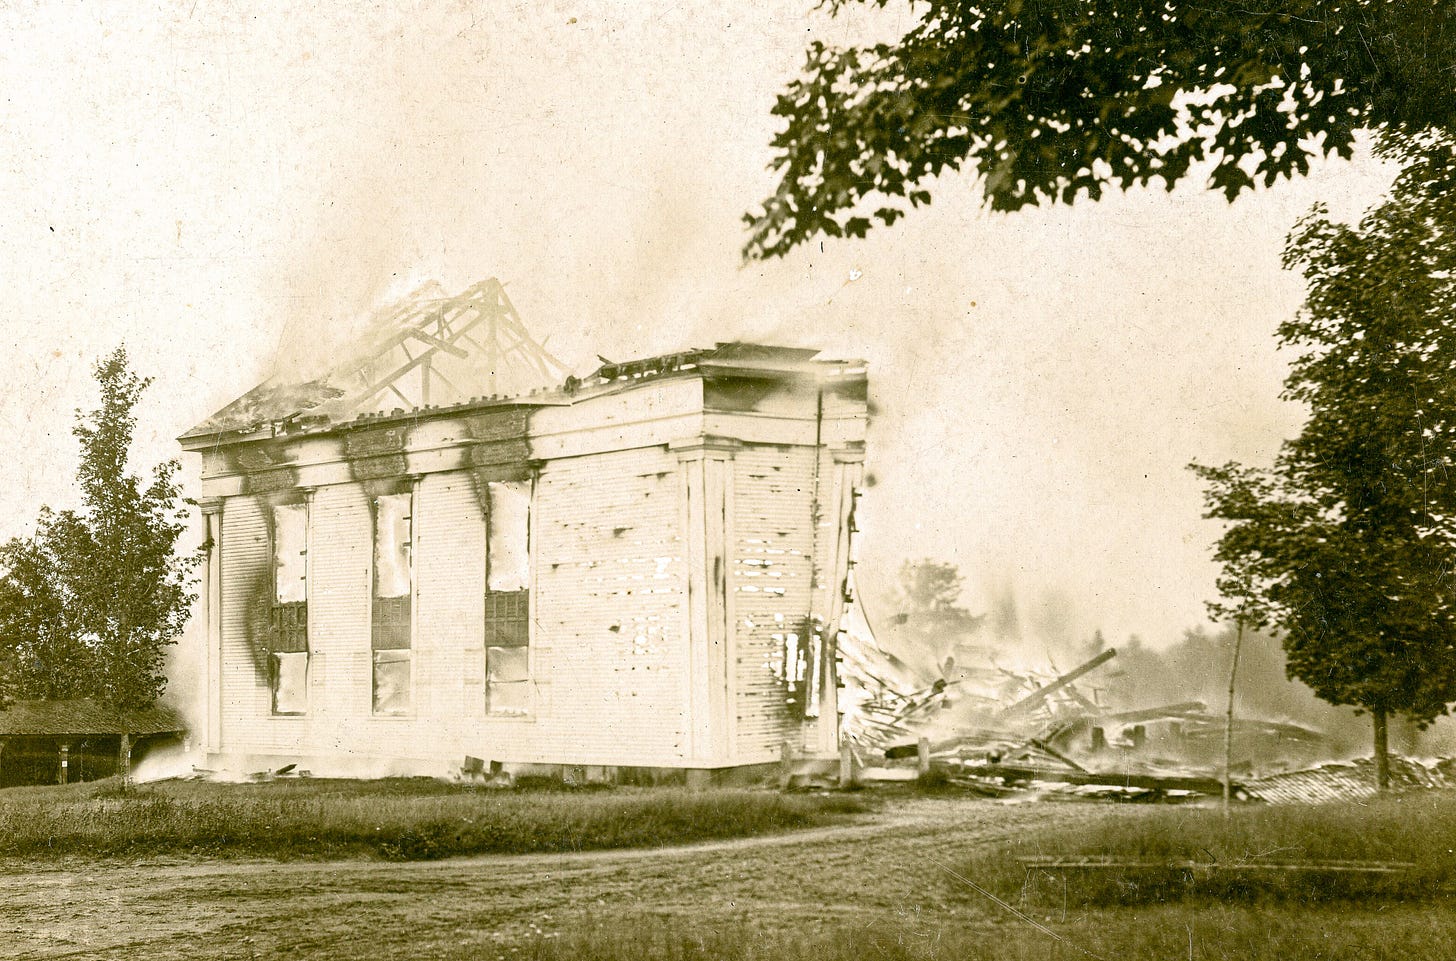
x=438, y=343
x=1046, y=748
x=1042, y=693
x=1149, y=782
x=1177, y=711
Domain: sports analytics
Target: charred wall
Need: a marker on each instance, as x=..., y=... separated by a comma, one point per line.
x=617, y=671
x=771, y=578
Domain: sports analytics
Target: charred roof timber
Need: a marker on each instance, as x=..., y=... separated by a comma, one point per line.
x=427, y=350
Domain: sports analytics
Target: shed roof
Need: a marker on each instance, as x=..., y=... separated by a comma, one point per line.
x=56, y=718
x=1344, y=781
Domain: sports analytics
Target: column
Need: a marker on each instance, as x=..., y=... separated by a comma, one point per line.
x=706, y=465
x=212, y=611
x=836, y=498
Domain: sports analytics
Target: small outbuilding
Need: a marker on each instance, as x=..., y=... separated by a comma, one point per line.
x=53, y=742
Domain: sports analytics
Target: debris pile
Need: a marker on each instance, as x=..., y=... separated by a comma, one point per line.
x=1350, y=781
x=881, y=701
x=1033, y=734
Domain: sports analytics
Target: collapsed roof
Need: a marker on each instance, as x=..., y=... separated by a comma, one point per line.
x=428, y=349
x=432, y=351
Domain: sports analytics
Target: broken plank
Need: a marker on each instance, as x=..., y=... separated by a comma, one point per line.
x=1040, y=694
x=1012, y=772
x=1046, y=748
x=1180, y=710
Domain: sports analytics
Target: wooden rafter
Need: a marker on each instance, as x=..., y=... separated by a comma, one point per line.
x=480, y=322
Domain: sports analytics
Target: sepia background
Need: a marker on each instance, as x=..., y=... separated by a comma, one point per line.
x=231, y=191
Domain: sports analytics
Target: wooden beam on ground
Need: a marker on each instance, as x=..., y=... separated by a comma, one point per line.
x=1046, y=748
x=1149, y=782
x=969, y=738
x=1181, y=709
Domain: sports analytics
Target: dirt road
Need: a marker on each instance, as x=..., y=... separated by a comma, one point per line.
x=879, y=867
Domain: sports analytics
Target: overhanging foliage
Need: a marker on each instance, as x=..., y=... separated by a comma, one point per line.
x=1052, y=99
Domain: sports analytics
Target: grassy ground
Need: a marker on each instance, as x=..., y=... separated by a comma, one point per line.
x=1284, y=916
x=1418, y=828
x=399, y=819
x=1209, y=933
x=872, y=887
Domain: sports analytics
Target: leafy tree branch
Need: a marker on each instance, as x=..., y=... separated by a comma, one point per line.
x=1049, y=100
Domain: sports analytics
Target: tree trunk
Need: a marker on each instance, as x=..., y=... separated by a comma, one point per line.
x=123, y=762
x=1228, y=727
x=1382, y=751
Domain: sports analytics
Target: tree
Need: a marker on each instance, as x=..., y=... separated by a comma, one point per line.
x=1240, y=603
x=1350, y=540
x=90, y=602
x=929, y=587
x=930, y=623
x=48, y=653
x=1051, y=99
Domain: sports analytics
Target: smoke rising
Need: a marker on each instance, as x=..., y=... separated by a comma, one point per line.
x=1040, y=382
x=1041, y=636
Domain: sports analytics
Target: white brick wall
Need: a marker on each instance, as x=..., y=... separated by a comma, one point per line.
x=608, y=646
x=609, y=607
x=769, y=582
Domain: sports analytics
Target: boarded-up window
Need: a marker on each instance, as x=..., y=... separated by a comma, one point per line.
x=507, y=598
x=290, y=682
x=393, y=596
x=391, y=628
x=288, y=628
x=288, y=610
x=507, y=680
x=506, y=614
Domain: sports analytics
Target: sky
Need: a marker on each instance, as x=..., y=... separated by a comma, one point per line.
x=225, y=189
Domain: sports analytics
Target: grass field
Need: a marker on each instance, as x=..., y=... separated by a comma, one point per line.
x=1211, y=933
x=1416, y=828
x=1290, y=917
x=870, y=886
x=397, y=819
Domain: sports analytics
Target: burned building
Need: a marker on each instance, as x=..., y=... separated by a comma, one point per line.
x=642, y=569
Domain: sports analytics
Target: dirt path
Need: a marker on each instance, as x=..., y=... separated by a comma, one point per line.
x=880, y=866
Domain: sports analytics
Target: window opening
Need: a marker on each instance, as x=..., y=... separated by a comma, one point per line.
x=390, y=628
x=507, y=597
